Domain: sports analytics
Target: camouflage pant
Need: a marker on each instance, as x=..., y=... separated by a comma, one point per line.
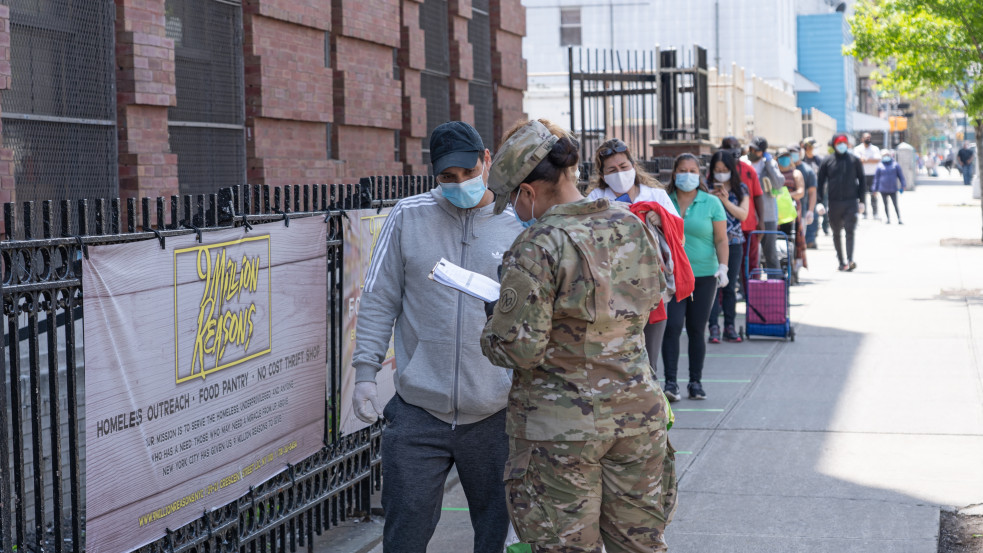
x=570, y=497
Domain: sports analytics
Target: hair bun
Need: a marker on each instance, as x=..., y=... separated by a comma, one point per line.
x=565, y=153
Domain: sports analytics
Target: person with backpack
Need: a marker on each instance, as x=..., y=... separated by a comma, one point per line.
x=771, y=179
x=886, y=180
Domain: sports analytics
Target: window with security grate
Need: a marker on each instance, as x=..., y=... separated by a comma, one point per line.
x=435, y=78
x=59, y=115
x=480, y=94
x=207, y=124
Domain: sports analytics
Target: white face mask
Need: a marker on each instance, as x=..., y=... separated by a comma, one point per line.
x=622, y=181
x=722, y=177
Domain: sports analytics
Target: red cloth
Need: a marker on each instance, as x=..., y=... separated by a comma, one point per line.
x=672, y=229
x=750, y=179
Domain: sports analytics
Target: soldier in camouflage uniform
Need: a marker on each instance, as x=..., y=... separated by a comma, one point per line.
x=589, y=458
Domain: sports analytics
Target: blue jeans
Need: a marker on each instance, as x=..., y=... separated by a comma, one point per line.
x=967, y=174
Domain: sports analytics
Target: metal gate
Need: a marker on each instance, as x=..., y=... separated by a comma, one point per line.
x=685, y=114
x=640, y=97
x=42, y=385
x=613, y=95
x=59, y=115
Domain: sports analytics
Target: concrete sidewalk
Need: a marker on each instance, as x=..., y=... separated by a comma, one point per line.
x=851, y=438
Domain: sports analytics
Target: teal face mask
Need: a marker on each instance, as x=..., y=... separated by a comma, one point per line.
x=841, y=148
x=464, y=195
x=785, y=161
x=687, y=182
x=795, y=158
x=525, y=224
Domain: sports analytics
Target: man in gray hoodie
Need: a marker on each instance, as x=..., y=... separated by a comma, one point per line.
x=449, y=407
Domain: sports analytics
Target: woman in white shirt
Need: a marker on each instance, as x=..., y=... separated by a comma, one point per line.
x=617, y=178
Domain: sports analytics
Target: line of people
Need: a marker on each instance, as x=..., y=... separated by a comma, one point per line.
x=547, y=401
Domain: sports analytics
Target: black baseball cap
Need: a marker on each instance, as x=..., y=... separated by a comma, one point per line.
x=455, y=144
x=758, y=143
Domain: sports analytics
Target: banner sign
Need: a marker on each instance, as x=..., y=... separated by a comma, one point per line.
x=362, y=230
x=205, y=373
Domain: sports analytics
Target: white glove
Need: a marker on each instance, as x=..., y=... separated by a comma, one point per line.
x=820, y=209
x=860, y=208
x=809, y=218
x=366, y=400
x=721, y=275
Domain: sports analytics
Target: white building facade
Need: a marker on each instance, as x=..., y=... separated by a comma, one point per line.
x=758, y=36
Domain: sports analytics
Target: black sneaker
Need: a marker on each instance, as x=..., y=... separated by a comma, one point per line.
x=714, y=334
x=671, y=389
x=851, y=266
x=731, y=335
x=696, y=390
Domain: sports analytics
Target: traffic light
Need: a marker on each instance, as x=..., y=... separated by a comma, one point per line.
x=898, y=123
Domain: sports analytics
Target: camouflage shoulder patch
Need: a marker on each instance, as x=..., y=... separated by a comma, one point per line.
x=508, y=300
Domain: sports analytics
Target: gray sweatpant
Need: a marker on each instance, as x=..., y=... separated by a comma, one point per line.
x=418, y=451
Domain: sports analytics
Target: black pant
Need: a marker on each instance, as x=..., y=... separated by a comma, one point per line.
x=418, y=451
x=843, y=216
x=873, y=197
x=894, y=199
x=727, y=297
x=653, y=343
x=694, y=312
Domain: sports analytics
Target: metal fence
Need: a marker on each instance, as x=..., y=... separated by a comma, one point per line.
x=42, y=399
x=614, y=95
x=639, y=96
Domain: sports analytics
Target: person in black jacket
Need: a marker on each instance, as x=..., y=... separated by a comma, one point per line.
x=841, y=178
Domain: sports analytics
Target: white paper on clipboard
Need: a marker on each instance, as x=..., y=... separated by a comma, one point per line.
x=471, y=283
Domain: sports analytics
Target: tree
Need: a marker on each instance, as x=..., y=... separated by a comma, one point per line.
x=925, y=46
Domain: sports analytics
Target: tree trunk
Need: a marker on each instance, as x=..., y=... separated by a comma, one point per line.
x=978, y=127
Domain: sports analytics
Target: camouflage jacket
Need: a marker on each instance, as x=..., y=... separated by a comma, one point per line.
x=577, y=289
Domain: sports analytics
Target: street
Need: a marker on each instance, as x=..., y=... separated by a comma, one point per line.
x=851, y=438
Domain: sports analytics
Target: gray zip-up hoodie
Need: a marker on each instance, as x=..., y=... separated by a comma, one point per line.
x=439, y=365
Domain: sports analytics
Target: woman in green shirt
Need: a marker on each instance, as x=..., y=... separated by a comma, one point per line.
x=705, y=230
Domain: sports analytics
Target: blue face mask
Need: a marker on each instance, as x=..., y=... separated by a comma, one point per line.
x=464, y=195
x=795, y=158
x=887, y=159
x=525, y=224
x=841, y=147
x=785, y=161
x=687, y=182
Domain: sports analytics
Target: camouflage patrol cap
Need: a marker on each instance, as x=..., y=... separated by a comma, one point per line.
x=513, y=162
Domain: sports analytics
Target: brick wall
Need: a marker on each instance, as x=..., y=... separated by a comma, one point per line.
x=412, y=60
x=289, y=92
x=332, y=88
x=144, y=90
x=508, y=22
x=368, y=99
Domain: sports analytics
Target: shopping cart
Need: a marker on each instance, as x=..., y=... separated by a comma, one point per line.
x=767, y=295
